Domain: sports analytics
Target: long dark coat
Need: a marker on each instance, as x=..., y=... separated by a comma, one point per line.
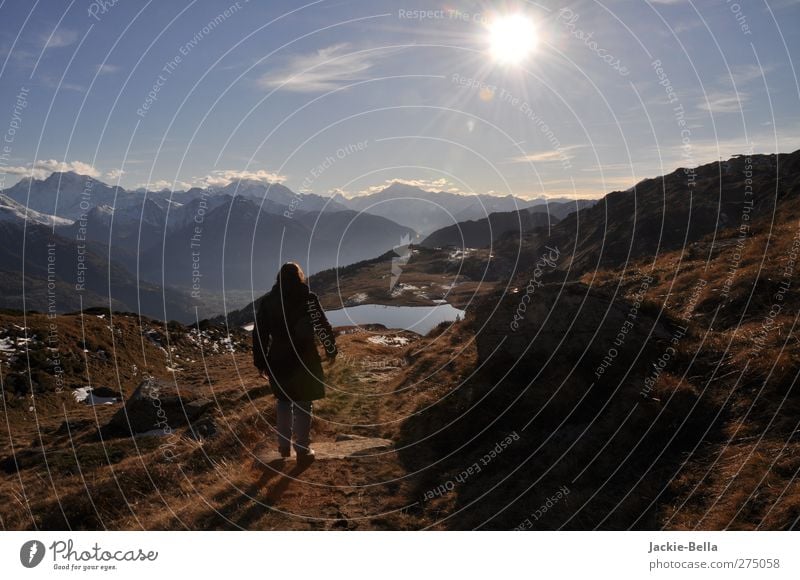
x=284, y=343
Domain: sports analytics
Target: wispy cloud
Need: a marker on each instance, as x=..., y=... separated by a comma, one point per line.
x=114, y=174
x=580, y=188
x=107, y=69
x=223, y=177
x=552, y=156
x=43, y=168
x=611, y=168
x=60, y=37
x=686, y=25
x=54, y=82
x=744, y=74
x=323, y=70
x=724, y=102
x=440, y=184
x=707, y=151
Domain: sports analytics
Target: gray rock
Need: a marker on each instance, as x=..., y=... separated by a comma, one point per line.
x=157, y=405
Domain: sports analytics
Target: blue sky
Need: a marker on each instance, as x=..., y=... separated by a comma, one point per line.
x=349, y=95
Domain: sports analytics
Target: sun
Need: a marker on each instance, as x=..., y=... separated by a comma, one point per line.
x=512, y=38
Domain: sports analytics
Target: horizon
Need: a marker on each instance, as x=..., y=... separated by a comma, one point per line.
x=372, y=190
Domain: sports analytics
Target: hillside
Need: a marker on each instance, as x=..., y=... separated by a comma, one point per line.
x=62, y=275
x=482, y=233
x=201, y=474
x=709, y=445
x=242, y=246
x=665, y=213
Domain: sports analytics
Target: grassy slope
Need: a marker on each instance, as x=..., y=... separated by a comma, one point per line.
x=747, y=478
x=83, y=482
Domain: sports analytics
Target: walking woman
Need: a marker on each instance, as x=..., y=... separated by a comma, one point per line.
x=288, y=323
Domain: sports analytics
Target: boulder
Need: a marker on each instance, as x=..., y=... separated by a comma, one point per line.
x=157, y=405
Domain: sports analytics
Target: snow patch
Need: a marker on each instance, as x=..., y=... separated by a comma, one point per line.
x=357, y=298
x=394, y=341
x=458, y=255
x=400, y=288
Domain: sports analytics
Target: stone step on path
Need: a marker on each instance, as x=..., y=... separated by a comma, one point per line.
x=344, y=447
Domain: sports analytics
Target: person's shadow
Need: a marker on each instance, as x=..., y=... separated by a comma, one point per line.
x=274, y=477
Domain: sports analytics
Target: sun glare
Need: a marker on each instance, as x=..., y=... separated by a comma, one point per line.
x=512, y=38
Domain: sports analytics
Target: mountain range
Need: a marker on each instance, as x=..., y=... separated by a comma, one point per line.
x=428, y=211
x=200, y=241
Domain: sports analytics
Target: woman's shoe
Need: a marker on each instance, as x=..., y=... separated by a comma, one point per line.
x=306, y=456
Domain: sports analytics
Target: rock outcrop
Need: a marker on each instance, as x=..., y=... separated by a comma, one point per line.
x=157, y=405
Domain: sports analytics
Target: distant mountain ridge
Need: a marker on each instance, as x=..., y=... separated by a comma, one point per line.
x=658, y=215
x=242, y=247
x=71, y=196
x=428, y=211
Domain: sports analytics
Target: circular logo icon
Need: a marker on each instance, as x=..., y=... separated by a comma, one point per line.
x=31, y=553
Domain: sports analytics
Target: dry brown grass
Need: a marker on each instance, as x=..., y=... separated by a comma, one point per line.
x=746, y=478
x=177, y=482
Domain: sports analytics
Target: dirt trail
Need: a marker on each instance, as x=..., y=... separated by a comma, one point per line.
x=357, y=480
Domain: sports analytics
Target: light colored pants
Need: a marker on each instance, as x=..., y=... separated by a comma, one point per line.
x=294, y=418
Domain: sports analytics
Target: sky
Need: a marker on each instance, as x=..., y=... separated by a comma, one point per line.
x=582, y=98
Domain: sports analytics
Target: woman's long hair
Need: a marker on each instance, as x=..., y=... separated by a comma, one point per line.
x=290, y=284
